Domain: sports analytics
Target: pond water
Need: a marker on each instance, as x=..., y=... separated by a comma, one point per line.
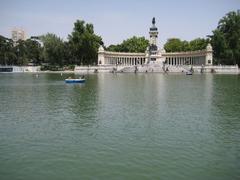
x=120, y=126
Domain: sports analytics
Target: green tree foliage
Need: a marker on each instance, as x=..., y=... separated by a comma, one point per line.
x=34, y=51
x=81, y=48
x=22, y=53
x=134, y=44
x=176, y=45
x=198, y=44
x=7, y=54
x=115, y=48
x=53, y=51
x=84, y=43
x=226, y=39
x=28, y=51
x=173, y=45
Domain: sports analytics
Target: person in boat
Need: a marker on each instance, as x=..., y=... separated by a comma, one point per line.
x=82, y=77
x=69, y=77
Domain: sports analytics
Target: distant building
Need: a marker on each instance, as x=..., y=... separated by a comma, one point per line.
x=18, y=34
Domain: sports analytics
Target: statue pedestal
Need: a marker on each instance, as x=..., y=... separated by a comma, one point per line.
x=157, y=58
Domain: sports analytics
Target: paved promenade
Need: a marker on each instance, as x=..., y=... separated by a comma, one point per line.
x=155, y=68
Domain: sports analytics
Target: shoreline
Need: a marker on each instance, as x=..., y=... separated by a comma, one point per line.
x=136, y=69
x=73, y=72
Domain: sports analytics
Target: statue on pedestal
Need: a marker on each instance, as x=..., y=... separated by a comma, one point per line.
x=153, y=21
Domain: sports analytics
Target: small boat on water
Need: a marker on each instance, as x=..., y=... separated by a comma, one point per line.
x=79, y=80
x=189, y=73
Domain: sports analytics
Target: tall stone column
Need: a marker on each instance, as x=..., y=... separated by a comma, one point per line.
x=209, y=56
x=101, y=56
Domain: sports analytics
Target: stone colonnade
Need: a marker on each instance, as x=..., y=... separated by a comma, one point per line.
x=185, y=60
x=202, y=57
x=122, y=59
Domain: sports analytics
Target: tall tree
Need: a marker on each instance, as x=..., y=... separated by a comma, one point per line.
x=34, y=51
x=7, y=54
x=225, y=39
x=21, y=52
x=84, y=43
x=53, y=49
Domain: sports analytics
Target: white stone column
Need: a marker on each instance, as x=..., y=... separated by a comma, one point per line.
x=209, y=55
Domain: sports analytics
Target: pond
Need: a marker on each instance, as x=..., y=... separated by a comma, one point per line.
x=120, y=126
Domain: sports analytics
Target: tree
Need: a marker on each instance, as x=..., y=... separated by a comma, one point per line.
x=53, y=51
x=7, y=54
x=198, y=44
x=84, y=43
x=176, y=45
x=134, y=44
x=21, y=53
x=34, y=51
x=186, y=46
x=28, y=51
x=220, y=47
x=115, y=48
x=173, y=45
x=226, y=39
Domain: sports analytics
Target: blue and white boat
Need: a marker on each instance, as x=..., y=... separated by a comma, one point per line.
x=80, y=80
x=189, y=73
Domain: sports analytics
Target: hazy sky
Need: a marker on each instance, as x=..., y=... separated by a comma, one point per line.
x=116, y=20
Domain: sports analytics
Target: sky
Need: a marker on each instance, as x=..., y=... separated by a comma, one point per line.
x=116, y=20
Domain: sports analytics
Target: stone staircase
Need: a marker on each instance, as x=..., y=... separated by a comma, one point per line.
x=178, y=69
x=140, y=69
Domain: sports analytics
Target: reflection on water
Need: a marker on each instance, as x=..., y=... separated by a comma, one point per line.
x=129, y=126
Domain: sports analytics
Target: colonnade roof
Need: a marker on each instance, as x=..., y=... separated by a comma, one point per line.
x=187, y=53
x=123, y=53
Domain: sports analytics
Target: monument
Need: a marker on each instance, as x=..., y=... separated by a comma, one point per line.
x=155, y=55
